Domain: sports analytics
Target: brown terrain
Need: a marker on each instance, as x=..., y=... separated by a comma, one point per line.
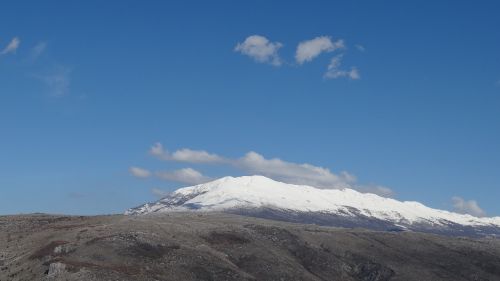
x=230, y=247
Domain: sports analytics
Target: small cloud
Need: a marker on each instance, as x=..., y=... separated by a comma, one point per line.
x=195, y=156
x=159, y=192
x=38, y=50
x=186, y=175
x=185, y=155
x=310, y=49
x=139, y=172
x=353, y=74
x=359, y=47
x=57, y=80
x=158, y=151
x=11, y=47
x=260, y=49
x=334, y=71
x=467, y=207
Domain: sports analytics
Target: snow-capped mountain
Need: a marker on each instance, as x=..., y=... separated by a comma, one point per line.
x=259, y=196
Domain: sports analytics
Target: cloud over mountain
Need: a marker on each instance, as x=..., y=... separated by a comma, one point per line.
x=254, y=163
x=470, y=207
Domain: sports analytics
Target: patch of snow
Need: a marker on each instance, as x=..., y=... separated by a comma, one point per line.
x=258, y=191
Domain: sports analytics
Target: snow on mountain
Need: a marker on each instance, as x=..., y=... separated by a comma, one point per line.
x=251, y=193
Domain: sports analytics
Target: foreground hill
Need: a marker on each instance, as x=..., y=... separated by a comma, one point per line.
x=214, y=246
x=258, y=196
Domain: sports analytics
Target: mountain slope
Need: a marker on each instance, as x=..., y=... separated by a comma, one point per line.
x=215, y=246
x=259, y=196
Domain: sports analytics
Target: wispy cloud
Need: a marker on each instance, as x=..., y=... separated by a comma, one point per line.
x=310, y=49
x=334, y=71
x=38, y=50
x=260, y=49
x=11, y=47
x=186, y=175
x=185, y=155
x=360, y=48
x=58, y=80
x=470, y=207
x=255, y=163
x=139, y=172
x=54, y=76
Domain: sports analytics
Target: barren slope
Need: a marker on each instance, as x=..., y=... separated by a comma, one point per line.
x=228, y=247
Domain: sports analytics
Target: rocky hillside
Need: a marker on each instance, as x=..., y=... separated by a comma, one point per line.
x=213, y=246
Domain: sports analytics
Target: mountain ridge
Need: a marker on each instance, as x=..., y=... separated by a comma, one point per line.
x=259, y=196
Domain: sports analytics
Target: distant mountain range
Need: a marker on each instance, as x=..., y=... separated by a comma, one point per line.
x=258, y=196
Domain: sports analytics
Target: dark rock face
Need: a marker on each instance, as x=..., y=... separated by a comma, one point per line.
x=361, y=221
x=214, y=246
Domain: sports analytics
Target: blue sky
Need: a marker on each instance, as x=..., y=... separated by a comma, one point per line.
x=88, y=88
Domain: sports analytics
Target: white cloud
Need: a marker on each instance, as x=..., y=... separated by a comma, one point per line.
x=186, y=175
x=139, y=172
x=11, y=47
x=467, y=207
x=334, y=71
x=58, y=80
x=159, y=192
x=195, y=156
x=310, y=49
x=289, y=172
x=254, y=163
x=260, y=49
x=264, y=51
x=306, y=174
x=185, y=155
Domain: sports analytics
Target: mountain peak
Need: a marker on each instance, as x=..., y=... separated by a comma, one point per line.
x=254, y=179
x=257, y=195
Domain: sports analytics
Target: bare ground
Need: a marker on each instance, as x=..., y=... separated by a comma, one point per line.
x=230, y=247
